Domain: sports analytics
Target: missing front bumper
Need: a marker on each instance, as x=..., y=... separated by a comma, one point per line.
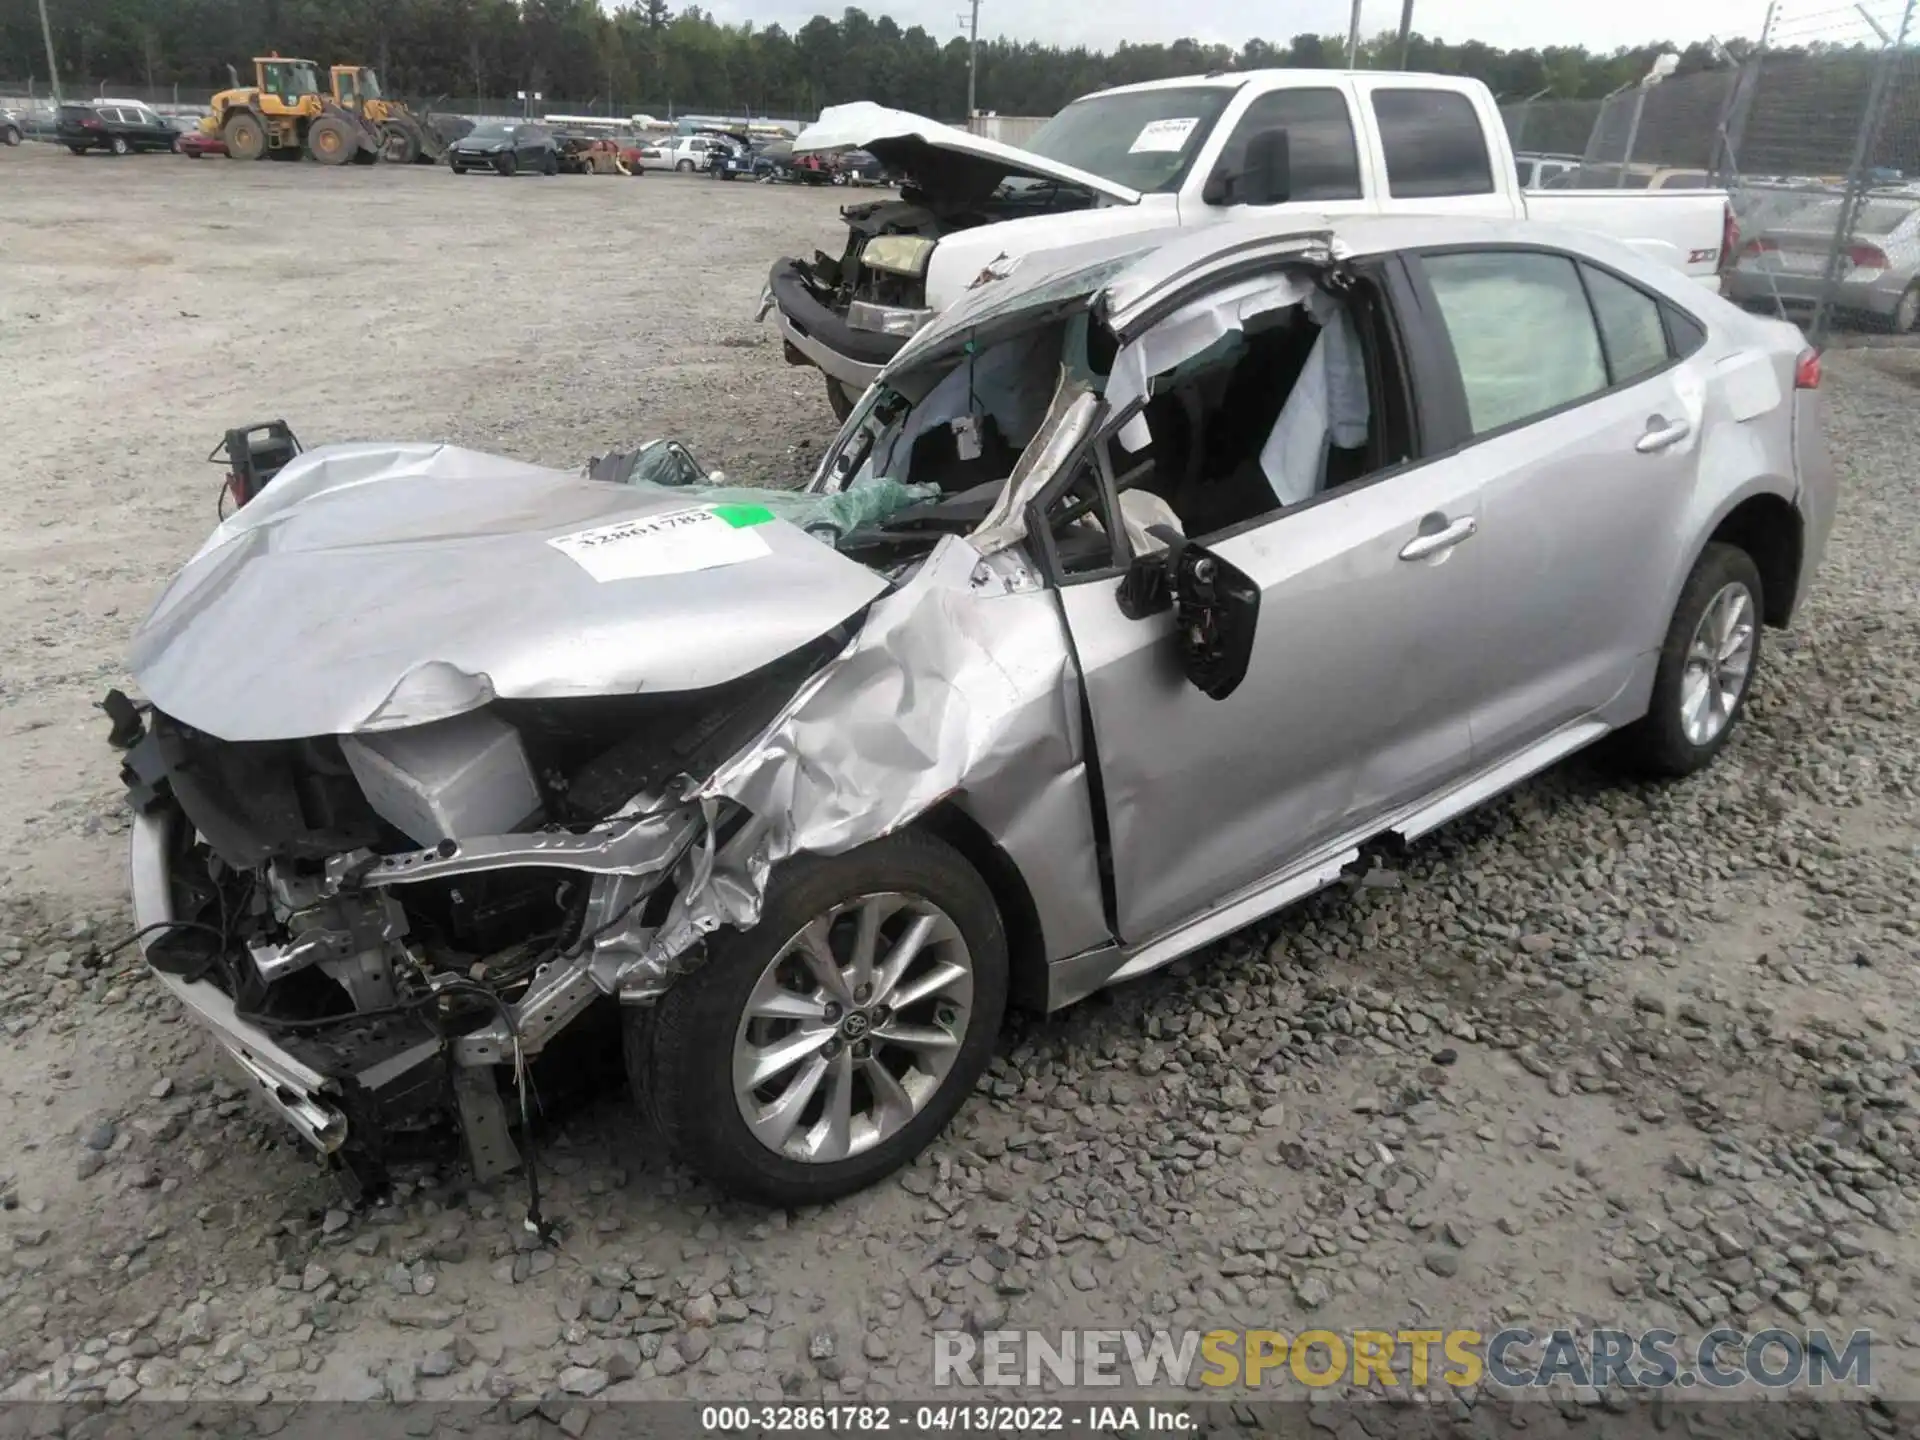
x=303, y=1097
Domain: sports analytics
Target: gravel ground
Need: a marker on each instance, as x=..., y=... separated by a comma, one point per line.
x=1599, y=1055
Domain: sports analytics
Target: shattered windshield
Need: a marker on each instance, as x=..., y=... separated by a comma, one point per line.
x=1143, y=139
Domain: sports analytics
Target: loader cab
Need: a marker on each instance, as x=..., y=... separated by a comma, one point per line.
x=291, y=82
x=355, y=85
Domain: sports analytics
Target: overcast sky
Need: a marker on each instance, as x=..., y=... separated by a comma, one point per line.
x=1105, y=23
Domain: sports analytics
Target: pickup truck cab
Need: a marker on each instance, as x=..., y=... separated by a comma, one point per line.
x=1180, y=153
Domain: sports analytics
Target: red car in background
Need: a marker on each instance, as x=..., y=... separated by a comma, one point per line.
x=195, y=143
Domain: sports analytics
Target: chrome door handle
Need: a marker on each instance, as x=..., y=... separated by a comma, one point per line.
x=1422, y=547
x=1659, y=437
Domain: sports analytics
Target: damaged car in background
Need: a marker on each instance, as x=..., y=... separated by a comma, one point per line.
x=1141, y=591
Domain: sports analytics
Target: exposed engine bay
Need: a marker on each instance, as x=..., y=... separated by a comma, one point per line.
x=839, y=282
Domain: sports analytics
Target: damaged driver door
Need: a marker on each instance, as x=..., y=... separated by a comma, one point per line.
x=1296, y=676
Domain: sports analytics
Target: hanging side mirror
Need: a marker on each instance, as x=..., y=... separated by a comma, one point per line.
x=1263, y=177
x=1216, y=609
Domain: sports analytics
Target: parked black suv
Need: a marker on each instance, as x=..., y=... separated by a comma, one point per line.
x=117, y=125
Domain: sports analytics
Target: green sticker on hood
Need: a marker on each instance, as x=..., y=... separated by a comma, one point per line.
x=741, y=516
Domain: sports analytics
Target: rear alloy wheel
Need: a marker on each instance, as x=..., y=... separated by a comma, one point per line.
x=828, y=1045
x=118, y=145
x=10, y=136
x=246, y=137
x=78, y=149
x=1707, y=665
x=330, y=141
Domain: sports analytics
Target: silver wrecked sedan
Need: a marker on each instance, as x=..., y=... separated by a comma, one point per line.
x=1202, y=562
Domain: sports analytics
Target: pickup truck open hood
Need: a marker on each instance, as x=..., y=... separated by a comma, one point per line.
x=946, y=162
x=372, y=587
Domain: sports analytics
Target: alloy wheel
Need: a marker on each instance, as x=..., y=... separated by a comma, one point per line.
x=1719, y=662
x=852, y=1027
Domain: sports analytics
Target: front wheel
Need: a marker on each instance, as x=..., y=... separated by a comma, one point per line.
x=1706, y=670
x=841, y=399
x=827, y=1046
x=507, y=164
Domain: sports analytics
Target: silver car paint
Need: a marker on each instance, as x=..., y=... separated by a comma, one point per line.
x=416, y=582
x=1363, y=709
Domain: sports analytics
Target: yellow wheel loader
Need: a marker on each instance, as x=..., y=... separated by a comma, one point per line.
x=405, y=138
x=285, y=114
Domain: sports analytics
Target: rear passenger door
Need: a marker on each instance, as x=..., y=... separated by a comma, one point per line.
x=1431, y=148
x=1583, y=415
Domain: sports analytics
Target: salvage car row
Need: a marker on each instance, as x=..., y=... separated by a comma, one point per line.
x=1150, y=579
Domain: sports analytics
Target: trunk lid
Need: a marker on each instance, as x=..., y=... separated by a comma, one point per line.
x=945, y=162
x=372, y=587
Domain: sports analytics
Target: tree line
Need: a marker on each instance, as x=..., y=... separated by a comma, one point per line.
x=645, y=56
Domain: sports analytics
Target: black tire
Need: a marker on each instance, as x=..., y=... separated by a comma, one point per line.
x=680, y=1053
x=246, y=137
x=1657, y=743
x=78, y=149
x=399, y=145
x=841, y=399
x=506, y=164
x=11, y=136
x=331, y=141
x=1906, y=316
x=458, y=168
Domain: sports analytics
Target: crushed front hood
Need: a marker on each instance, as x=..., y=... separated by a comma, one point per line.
x=945, y=162
x=372, y=587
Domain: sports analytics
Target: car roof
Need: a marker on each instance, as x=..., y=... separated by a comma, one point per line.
x=1169, y=254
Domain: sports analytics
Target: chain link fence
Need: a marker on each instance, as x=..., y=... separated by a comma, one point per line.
x=1822, y=155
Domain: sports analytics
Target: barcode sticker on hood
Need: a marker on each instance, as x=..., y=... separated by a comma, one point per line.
x=1163, y=134
x=675, y=543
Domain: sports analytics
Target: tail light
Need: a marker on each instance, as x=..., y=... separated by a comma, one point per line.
x=91, y=123
x=1806, y=372
x=1729, y=235
x=1867, y=257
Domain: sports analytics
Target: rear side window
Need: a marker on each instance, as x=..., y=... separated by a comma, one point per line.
x=1522, y=332
x=1685, y=333
x=1433, y=142
x=1323, y=161
x=1630, y=326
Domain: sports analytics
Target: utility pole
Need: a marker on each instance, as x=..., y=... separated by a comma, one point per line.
x=1353, y=35
x=53, y=69
x=973, y=56
x=1406, y=30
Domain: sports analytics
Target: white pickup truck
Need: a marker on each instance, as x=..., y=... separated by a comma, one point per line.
x=1173, y=154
